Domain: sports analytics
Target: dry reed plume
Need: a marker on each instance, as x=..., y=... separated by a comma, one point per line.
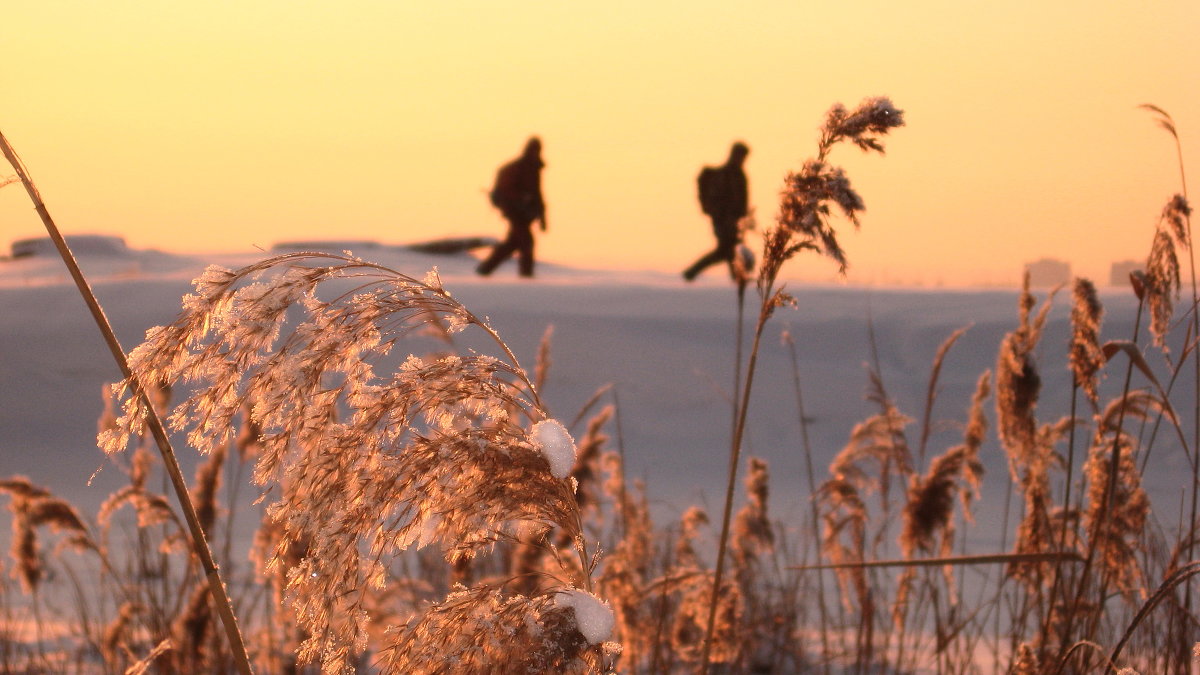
x=957, y=473
x=803, y=223
x=454, y=452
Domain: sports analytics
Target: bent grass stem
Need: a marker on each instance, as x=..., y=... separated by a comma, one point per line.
x=199, y=542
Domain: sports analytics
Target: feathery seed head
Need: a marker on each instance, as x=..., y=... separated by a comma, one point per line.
x=1175, y=215
x=368, y=464
x=1163, y=118
x=482, y=629
x=1138, y=281
x=1018, y=383
x=1118, y=523
x=1026, y=661
x=21, y=488
x=959, y=471
x=808, y=195
x=1162, y=282
x=872, y=118
x=1162, y=277
x=1086, y=358
x=752, y=533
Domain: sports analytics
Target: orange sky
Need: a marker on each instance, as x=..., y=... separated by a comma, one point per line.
x=227, y=125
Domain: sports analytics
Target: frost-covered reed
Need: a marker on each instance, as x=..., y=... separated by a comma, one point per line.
x=452, y=451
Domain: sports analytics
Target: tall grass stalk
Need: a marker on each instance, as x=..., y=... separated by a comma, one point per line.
x=742, y=401
x=1085, y=361
x=1168, y=124
x=810, y=475
x=1164, y=589
x=200, y=545
x=1110, y=491
x=803, y=224
x=739, y=331
x=981, y=559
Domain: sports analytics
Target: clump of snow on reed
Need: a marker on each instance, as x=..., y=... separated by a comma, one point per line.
x=593, y=615
x=553, y=440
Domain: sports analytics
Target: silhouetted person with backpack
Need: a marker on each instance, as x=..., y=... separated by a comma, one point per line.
x=518, y=195
x=723, y=196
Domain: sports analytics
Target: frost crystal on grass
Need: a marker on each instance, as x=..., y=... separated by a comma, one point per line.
x=593, y=616
x=433, y=279
x=551, y=438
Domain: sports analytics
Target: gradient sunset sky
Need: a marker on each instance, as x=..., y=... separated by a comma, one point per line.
x=224, y=126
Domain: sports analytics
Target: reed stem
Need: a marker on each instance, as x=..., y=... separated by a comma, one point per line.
x=812, y=503
x=735, y=453
x=199, y=542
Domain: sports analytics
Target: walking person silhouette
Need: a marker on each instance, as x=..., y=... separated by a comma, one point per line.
x=724, y=198
x=518, y=194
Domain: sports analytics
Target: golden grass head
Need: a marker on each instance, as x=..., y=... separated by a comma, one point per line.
x=1161, y=284
x=810, y=195
x=1026, y=661
x=1086, y=358
x=1175, y=216
x=956, y=473
x=562, y=631
x=930, y=504
x=454, y=451
x=1117, y=520
x=1161, y=281
x=865, y=125
x=1018, y=383
x=33, y=506
x=752, y=531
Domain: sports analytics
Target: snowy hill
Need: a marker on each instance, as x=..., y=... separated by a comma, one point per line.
x=664, y=346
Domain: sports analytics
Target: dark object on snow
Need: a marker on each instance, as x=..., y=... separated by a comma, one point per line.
x=80, y=244
x=328, y=246
x=452, y=245
x=518, y=194
x=725, y=199
x=444, y=246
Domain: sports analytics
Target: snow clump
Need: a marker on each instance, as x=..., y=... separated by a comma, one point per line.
x=551, y=438
x=593, y=615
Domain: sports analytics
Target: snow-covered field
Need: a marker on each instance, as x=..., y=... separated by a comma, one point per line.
x=665, y=347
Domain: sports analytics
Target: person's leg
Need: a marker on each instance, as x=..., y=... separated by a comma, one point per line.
x=711, y=258
x=523, y=242
x=726, y=243
x=726, y=249
x=498, y=255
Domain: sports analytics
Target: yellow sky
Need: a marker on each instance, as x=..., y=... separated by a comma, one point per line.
x=227, y=125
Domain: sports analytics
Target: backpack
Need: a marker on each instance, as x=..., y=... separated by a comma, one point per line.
x=709, y=184
x=504, y=192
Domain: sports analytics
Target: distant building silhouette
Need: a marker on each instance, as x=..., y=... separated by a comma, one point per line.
x=518, y=194
x=1118, y=274
x=1048, y=272
x=724, y=198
